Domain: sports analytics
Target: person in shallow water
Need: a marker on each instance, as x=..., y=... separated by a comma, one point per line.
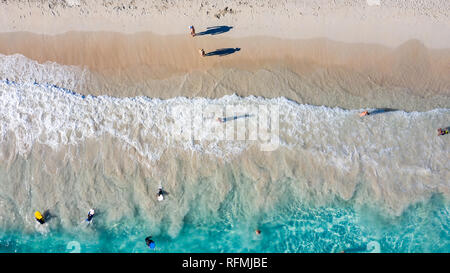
x=442, y=132
x=90, y=215
x=149, y=242
x=365, y=113
x=258, y=232
x=160, y=194
x=39, y=217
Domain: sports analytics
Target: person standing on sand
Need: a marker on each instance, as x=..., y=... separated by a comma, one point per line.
x=202, y=52
x=192, y=30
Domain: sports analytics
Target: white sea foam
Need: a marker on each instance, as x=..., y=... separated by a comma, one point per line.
x=45, y=114
x=21, y=69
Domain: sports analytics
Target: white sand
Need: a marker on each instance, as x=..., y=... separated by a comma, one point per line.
x=389, y=23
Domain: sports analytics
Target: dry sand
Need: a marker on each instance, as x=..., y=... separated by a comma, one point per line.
x=391, y=23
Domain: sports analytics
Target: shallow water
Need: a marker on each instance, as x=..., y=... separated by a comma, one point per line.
x=312, y=178
x=291, y=228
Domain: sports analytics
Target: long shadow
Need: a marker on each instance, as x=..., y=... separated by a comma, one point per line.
x=47, y=215
x=382, y=110
x=223, y=51
x=234, y=118
x=214, y=30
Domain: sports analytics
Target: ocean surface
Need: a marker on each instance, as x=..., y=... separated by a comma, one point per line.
x=311, y=178
x=292, y=228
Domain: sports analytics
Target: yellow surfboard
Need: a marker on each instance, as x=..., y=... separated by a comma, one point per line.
x=38, y=215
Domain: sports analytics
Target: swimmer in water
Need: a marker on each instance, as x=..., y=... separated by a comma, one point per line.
x=160, y=194
x=90, y=215
x=442, y=132
x=258, y=232
x=365, y=113
x=149, y=242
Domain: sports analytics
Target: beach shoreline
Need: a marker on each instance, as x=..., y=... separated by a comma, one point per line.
x=316, y=71
x=352, y=54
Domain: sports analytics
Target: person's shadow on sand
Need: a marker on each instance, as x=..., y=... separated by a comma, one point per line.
x=215, y=30
x=223, y=51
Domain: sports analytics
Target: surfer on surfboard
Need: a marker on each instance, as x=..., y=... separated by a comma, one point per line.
x=90, y=215
x=160, y=194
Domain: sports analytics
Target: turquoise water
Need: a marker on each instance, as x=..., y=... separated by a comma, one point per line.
x=291, y=227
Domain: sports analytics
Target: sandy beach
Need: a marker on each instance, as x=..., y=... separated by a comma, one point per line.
x=353, y=54
x=386, y=22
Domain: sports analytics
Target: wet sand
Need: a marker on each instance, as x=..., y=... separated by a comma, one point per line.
x=315, y=71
